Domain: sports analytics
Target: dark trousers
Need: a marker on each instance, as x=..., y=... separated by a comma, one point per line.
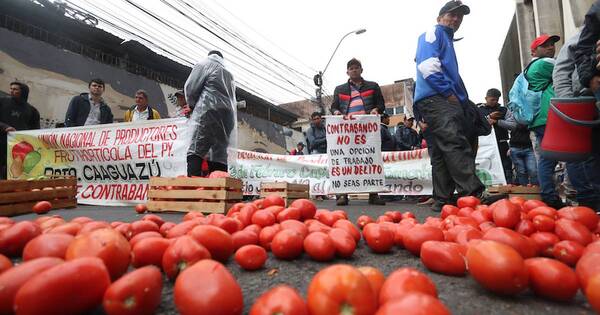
x=452, y=153
x=194, y=166
x=507, y=164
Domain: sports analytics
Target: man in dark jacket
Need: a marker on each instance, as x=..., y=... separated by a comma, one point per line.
x=316, y=135
x=388, y=143
x=357, y=97
x=406, y=137
x=15, y=114
x=89, y=108
x=496, y=114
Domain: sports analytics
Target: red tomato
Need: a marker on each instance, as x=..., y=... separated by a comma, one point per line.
x=12, y=279
x=218, y=242
x=587, y=267
x=141, y=226
x=296, y=226
x=149, y=251
x=53, y=289
x=251, y=257
x=545, y=242
x=142, y=236
x=273, y=200
x=138, y=292
x=465, y=212
x=267, y=234
x=376, y=278
x=14, y=238
x=82, y=220
x=443, y=257
x=325, y=217
x=192, y=215
x=71, y=228
x=497, y=267
x=245, y=237
x=583, y=215
x=363, y=220
x=287, y=244
x=419, y=235
x=448, y=210
x=5, y=263
x=125, y=230
x=106, y=244
x=280, y=300
x=47, y=245
x=216, y=293
x=408, y=215
x=154, y=218
x=573, y=231
x=568, y=252
x=519, y=201
x=521, y=243
x=467, y=201
x=403, y=281
x=181, y=254
x=42, y=207
x=551, y=279
x=532, y=204
x=395, y=215
x=290, y=213
x=380, y=238
x=349, y=227
x=95, y=225
x=543, y=223
x=506, y=214
x=592, y=292
x=547, y=211
x=479, y=216
x=307, y=208
x=399, y=232
x=343, y=242
x=340, y=287
x=166, y=227
x=414, y=302
x=593, y=247
x=465, y=236
x=141, y=208
x=182, y=228
x=384, y=218
x=316, y=226
x=319, y=246
x=275, y=209
x=485, y=226
x=526, y=227
x=263, y=218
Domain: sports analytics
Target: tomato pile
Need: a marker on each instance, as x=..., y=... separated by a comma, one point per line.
x=508, y=247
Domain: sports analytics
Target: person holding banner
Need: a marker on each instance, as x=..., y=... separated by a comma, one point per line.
x=141, y=110
x=210, y=89
x=441, y=102
x=89, y=108
x=357, y=97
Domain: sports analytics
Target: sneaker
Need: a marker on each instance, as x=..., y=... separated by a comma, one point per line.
x=342, y=200
x=374, y=199
x=555, y=203
x=428, y=201
x=487, y=198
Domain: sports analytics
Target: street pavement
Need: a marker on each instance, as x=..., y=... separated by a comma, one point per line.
x=462, y=295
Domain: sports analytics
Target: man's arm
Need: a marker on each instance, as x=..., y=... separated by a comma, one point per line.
x=508, y=122
x=335, y=104
x=379, y=100
x=34, y=122
x=71, y=114
x=584, y=53
x=564, y=69
x=195, y=84
x=429, y=64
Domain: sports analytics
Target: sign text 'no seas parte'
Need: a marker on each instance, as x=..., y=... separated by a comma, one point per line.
x=354, y=151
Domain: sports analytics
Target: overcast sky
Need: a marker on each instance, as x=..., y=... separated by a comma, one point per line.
x=303, y=35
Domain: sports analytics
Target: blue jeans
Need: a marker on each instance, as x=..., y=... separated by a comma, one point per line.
x=577, y=174
x=526, y=165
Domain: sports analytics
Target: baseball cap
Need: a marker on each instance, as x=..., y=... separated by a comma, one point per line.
x=542, y=39
x=454, y=5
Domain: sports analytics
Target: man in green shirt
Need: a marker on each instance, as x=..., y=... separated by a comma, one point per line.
x=539, y=76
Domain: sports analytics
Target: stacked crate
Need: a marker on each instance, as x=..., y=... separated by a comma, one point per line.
x=19, y=196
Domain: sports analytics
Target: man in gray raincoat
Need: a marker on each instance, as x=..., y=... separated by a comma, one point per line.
x=210, y=89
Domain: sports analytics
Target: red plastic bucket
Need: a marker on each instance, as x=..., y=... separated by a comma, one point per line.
x=568, y=134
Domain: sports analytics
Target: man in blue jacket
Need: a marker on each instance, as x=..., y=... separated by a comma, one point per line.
x=439, y=99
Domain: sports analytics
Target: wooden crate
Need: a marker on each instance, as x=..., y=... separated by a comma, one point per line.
x=19, y=196
x=208, y=195
x=288, y=191
x=525, y=192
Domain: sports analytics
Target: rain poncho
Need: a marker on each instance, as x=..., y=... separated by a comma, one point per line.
x=210, y=89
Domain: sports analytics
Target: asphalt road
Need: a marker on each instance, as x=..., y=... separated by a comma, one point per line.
x=462, y=295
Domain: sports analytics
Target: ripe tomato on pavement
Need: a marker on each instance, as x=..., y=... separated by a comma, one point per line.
x=319, y=246
x=138, y=292
x=244, y=237
x=349, y=227
x=281, y=299
x=12, y=279
x=207, y=287
x=5, y=263
x=48, y=245
x=592, y=292
x=419, y=235
x=448, y=210
x=443, y=257
x=545, y=242
x=218, y=242
x=181, y=254
x=42, y=207
x=567, y=229
x=340, y=289
x=467, y=201
x=273, y=200
x=584, y=215
x=363, y=220
x=497, y=267
x=506, y=214
x=414, y=303
x=251, y=257
x=343, y=242
x=296, y=226
x=287, y=244
x=568, y=252
x=307, y=208
x=264, y=218
x=521, y=243
x=543, y=223
x=379, y=237
x=403, y=281
x=587, y=267
x=106, y=244
x=141, y=208
x=142, y=236
x=54, y=289
x=149, y=251
x=376, y=278
x=551, y=279
x=525, y=227
x=14, y=238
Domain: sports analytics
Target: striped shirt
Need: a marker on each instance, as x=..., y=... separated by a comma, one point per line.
x=357, y=105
